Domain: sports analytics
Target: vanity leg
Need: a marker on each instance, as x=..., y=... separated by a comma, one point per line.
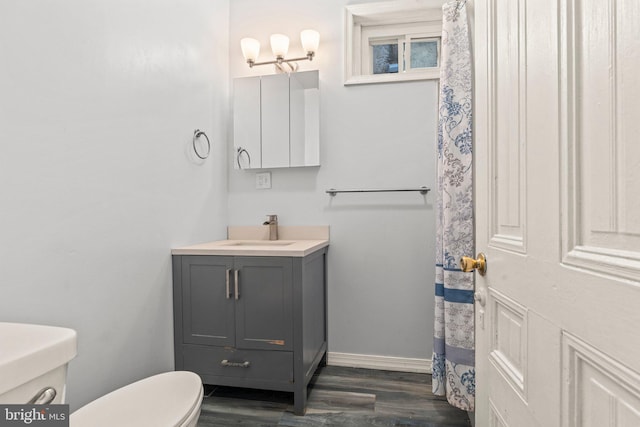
x=323, y=361
x=300, y=400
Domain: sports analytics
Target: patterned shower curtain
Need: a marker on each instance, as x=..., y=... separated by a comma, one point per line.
x=454, y=346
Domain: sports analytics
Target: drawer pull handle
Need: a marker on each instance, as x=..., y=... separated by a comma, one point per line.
x=244, y=364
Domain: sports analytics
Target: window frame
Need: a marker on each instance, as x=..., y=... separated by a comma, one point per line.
x=401, y=20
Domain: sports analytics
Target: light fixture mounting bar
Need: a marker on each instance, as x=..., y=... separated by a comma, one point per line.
x=309, y=57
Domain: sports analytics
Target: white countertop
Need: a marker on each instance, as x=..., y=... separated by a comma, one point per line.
x=292, y=248
x=295, y=241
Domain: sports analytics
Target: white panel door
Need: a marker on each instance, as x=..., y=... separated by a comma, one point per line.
x=557, y=119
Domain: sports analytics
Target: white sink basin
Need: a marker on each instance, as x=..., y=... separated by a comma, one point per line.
x=260, y=243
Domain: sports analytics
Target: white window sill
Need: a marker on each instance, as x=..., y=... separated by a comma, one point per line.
x=433, y=74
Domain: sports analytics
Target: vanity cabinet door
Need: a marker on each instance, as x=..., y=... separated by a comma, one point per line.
x=207, y=300
x=264, y=305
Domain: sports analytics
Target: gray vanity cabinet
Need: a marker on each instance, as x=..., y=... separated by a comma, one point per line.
x=256, y=322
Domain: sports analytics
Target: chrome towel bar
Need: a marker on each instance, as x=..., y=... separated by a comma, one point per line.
x=422, y=190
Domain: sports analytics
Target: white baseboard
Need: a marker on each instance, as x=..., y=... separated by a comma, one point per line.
x=384, y=363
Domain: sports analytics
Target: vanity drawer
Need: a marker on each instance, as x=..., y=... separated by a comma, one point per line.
x=255, y=365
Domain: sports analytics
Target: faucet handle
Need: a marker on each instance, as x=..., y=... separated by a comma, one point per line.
x=271, y=220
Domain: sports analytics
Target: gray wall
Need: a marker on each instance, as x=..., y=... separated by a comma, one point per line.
x=382, y=245
x=98, y=103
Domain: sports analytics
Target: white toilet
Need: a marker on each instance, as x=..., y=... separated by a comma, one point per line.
x=169, y=399
x=33, y=369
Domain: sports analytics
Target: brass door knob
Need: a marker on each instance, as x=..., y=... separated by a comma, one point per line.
x=469, y=264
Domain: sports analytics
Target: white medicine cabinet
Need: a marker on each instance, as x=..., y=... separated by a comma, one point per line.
x=276, y=121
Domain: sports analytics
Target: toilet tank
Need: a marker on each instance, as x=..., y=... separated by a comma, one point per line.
x=34, y=358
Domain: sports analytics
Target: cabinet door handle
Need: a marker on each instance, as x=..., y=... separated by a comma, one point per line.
x=244, y=364
x=236, y=274
x=228, y=283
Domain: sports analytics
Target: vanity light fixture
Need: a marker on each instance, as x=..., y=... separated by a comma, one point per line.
x=280, y=46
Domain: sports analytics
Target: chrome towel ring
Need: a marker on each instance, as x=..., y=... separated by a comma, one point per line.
x=197, y=134
x=239, y=152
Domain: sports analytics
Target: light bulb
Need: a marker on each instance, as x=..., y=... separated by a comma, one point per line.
x=310, y=40
x=250, y=49
x=279, y=45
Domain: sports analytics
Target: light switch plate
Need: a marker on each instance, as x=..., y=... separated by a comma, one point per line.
x=263, y=180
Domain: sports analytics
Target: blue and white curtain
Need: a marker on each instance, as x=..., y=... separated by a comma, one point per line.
x=454, y=346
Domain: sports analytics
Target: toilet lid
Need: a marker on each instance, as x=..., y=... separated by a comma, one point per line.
x=166, y=399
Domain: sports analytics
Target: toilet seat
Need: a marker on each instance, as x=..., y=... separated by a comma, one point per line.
x=171, y=399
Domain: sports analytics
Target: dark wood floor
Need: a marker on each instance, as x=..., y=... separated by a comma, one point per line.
x=345, y=397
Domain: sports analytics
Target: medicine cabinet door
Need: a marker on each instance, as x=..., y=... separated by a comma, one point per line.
x=274, y=102
x=246, y=123
x=304, y=127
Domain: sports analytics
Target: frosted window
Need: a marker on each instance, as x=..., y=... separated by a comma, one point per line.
x=385, y=58
x=424, y=54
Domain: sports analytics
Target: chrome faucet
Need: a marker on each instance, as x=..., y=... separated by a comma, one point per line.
x=272, y=222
